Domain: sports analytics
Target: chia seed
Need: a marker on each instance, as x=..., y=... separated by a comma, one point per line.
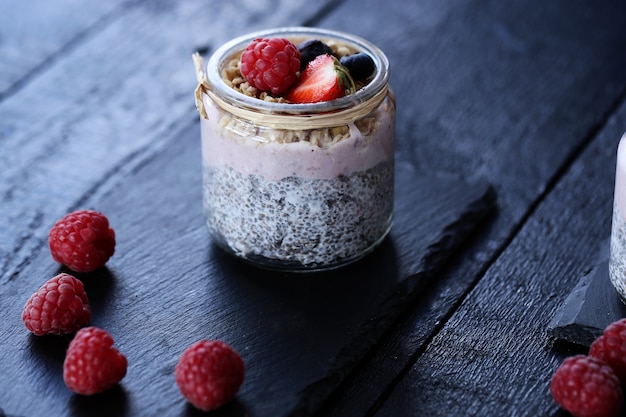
x=617, y=260
x=299, y=223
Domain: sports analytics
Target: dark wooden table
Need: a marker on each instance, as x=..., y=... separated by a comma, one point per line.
x=511, y=110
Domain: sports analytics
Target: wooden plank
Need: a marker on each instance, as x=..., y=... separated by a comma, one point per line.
x=104, y=105
x=167, y=287
x=501, y=328
x=504, y=92
x=37, y=32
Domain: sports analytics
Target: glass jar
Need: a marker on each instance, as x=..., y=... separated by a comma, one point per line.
x=296, y=187
x=617, y=258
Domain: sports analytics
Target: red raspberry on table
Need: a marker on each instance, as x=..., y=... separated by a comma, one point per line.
x=271, y=64
x=209, y=374
x=587, y=387
x=611, y=348
x=92, y=365
x=82, y=240
x=60, y=306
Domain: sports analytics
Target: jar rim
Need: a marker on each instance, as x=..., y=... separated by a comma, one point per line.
x=217, y=60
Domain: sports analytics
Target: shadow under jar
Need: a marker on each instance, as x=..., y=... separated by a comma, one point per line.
x=297, y=187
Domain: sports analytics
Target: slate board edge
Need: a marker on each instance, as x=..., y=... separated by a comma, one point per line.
x=452, y=236
x=590, y=306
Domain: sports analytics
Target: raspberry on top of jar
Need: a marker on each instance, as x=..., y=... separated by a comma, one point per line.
x=313, y=71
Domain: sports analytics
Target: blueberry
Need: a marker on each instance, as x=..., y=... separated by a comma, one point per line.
x=310, y=49
x=360, y=65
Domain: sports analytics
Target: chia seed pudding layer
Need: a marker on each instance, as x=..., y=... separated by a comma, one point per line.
x=300, y=222
x=617, y=260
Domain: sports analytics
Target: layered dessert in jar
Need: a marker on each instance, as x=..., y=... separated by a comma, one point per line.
x=617, y=259
x=297, y=129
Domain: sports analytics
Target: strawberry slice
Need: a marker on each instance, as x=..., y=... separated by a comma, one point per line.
x=323, y=79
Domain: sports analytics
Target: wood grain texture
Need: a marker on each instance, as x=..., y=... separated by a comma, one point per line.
x=167, y=287
x=34, y=34
x=105, y=105
x=501, y=328
x=505, y=92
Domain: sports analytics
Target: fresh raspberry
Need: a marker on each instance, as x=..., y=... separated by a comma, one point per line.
x=60, y=306
x=82, y=240
x=92, y=365
x=209, y=374
x=587, y=387
x=611, y=348
x=271, y=64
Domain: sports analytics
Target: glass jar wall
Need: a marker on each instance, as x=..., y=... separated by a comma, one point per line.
x=297, y=187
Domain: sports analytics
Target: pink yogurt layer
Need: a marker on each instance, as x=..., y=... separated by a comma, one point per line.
x=274, y=161
x=620, y=177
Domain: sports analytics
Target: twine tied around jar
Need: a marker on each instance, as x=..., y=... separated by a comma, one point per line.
x=286, y=121
x=203, y=84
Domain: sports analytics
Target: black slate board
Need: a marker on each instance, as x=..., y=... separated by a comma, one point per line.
x=591, y=306
x=300, y=335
